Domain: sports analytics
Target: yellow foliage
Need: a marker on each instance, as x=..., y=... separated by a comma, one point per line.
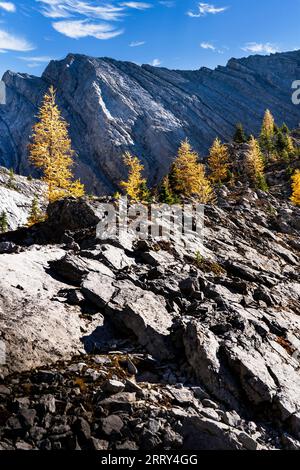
x=188, y=177
x=254, y=161
x=136, y=186
x=268, y=125
x=51, y=151
x=296, y=188
x=218, y=161
x=289, y=145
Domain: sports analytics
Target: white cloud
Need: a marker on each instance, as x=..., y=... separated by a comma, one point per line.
x=260, y=48
x=137, y=43
x=11, y=42
x=83, y=28
x=36, y=59
x=168, y=3
x=207, y=45
x=8, y=6
x=156, y=63
x=137, y=5
x=206, y=9
x=69, y=8
x=82, y=18
x=33, y=65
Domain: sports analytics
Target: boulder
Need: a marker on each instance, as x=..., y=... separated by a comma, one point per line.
x=29, y=315
x=144, y=315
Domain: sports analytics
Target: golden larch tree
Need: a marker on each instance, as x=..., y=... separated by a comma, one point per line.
x=289, y=145
x=267, y=135
x=268, y=124
x=296, y=188
x=51, y=150
x=218, y=162
x=255, y=164
x=136, y=186
x=187, y=176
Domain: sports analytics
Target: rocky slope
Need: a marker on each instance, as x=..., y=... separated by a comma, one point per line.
x=115, y=106
x=140, y=345
x=16, y=196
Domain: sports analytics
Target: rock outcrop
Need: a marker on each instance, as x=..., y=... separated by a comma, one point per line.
x=202, y=351
x=16, y=196
x=115, y=106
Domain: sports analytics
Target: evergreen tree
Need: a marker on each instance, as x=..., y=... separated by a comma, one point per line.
x=136, y=186
x=218, y=161
x=255, y=165
x=51, y=151
x=35, y=215
x=239, y=135
x=187, y=176
x=267, y=134
x=3, y=222
x=166, y=195
x=11, y=179
x=285, y=129
x=296, y=188
x=284, y=146
x=145, y=192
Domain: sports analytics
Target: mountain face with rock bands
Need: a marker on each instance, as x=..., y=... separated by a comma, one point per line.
x=115, y=106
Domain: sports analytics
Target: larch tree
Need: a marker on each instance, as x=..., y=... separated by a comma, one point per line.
x=268, y=124
x=266, y=139
x=136, y=186
x=51, y=151
x=218, y=162
x=295, y=198
x=255, y=164
x=187, y=176
x=205, y=193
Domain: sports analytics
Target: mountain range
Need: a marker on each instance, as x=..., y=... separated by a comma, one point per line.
x=115, y=106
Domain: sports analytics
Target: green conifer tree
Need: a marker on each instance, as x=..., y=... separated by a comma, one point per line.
x=239, y=135
x=3, y=222
x=166, y=195
x=35, y=215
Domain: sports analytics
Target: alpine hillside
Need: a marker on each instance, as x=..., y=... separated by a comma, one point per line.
x=116, y=106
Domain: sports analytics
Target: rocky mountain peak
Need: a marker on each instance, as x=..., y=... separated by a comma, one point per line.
x=114, y=106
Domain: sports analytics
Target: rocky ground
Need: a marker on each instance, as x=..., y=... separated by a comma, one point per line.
x=143, y=345
x=16, y=195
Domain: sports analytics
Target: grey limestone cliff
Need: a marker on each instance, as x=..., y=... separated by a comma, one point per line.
x=115, y=106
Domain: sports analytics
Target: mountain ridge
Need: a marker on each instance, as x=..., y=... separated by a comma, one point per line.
x=114, y=106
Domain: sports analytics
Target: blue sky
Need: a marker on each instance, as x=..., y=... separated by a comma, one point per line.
x=184, y=34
